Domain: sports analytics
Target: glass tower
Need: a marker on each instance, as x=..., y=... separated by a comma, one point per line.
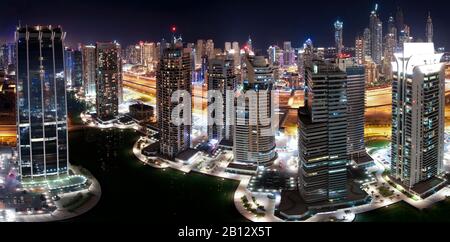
x=41, y=102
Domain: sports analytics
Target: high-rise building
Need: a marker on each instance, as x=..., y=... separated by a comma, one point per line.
x=221, y=78
x=173, y=74
x=68, y=62
x=41, y=102
x=148, y=55
x=108, y=80
x=392, y=29
x=418, y=107
x=359, y=50
x=356, y=100
x=390, y=46
x=399, y=20
x=404, y=37
x=250, y=44
x=429, y=29
x=237, y=55
x=89, y=60
x=323, y=135
x=288, y=54
x=338, y=36
x=210, y=48
x=8, y=55
x=227, y=47
x=200, y=51
x=77, y=68
x=376, y=37
x=254, y=140
x=367, y=43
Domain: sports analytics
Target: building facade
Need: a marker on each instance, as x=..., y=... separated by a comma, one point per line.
x=323, y=135
x=108, y=80
x=356, y=104
x=417, y=114
x=254, y=142
x=338, y=36
x=174, y=74
x=41, y=102
x=89, y=59
x=221, y=78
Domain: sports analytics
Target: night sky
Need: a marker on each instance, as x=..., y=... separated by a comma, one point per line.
x=268, y=22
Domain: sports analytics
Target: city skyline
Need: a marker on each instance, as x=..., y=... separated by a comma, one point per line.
x=138, y=21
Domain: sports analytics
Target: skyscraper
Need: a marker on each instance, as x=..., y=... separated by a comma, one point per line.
x=173, y=74
x=399, y=20
x=210, y=48
x=338, y=36
x=323, y=135
x=429, y=29
x=41, y=102
x=237, y=55
x=367, y=43
x=254, y=142
x=108, y=80
x=227, y=47
x=356, y=100
x=417, y=115
x=77, y=68
x=221, y=78
x=376, y=36
x=89, y=69
x=359, y=50
x=392, y=29
x=288, y=54
x=68, y=62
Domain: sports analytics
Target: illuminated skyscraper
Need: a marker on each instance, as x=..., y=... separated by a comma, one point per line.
x=200, y=51
x=68, y=62
x=173, y=74
x=359, y=50
x=254, y=142
x=338, y=36
x=376, y=36
x=210, y=48
x=108, y=80
x=89, y=69
x=417, y=115
x=237, y=54
x=227, y=47
x=222, y=78
x=77, y=68
x=367, y=43
x=41, y=102
x=323, y=135
x=429, y=29
x=399, y=20
x=392, y=29
x=148, y=55
x=356, y=100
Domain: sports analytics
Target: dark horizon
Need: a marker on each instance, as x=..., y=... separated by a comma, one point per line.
x=266, y=22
